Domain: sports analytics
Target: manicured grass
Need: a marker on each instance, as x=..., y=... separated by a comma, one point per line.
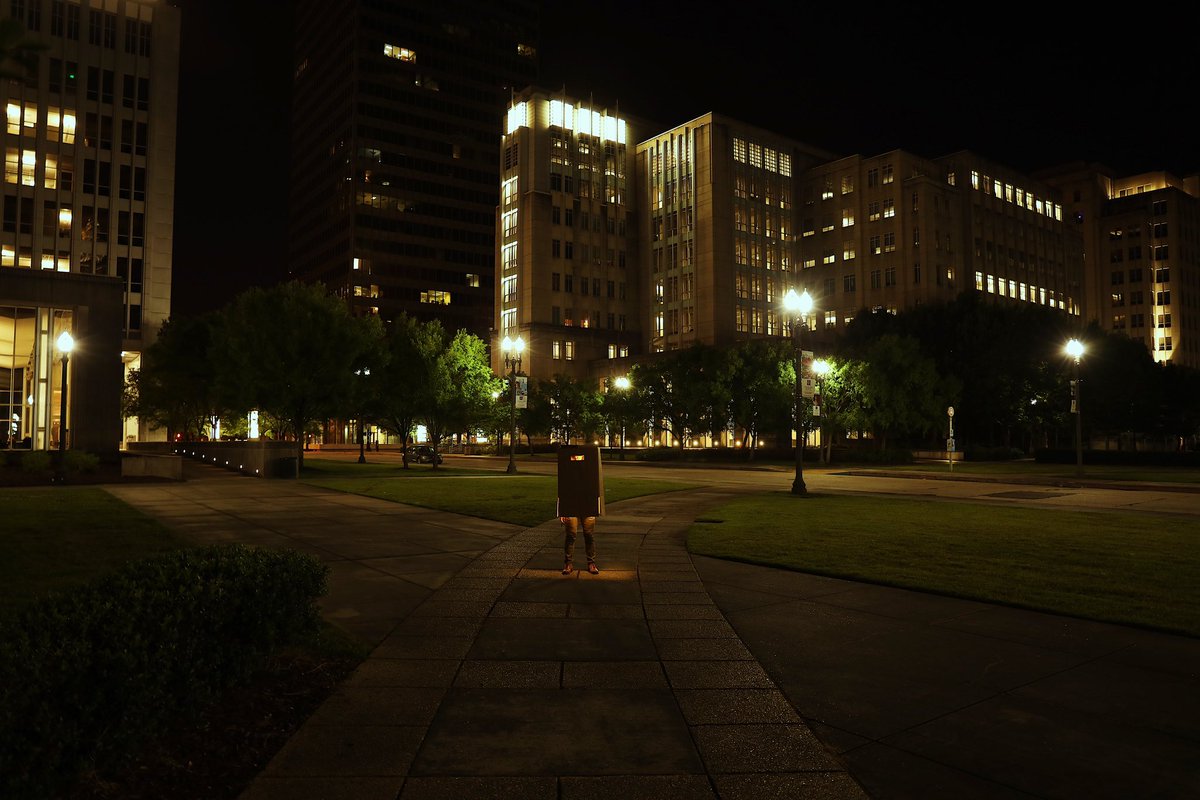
x=1136, y=569
x=526, y=500
x=55, y=538
x=1105, y=472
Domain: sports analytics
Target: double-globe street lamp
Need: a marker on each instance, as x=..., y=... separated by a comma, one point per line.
x=512, y=349
x=65, y=343
x=799, y=306
x=1075, y=349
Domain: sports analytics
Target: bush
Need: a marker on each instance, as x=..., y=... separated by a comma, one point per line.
x=1143, y=458
x=87, y=675
x=80, y=461
x=1000, y=453
x=36, y=461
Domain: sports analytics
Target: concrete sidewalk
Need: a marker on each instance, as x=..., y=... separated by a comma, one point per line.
x=499, y=677
x=673, y=676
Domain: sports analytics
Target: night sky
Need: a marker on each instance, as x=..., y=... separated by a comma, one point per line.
x=1031, y=88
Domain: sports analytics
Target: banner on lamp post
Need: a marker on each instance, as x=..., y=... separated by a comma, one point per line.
x=808, y=385
x=522, y=391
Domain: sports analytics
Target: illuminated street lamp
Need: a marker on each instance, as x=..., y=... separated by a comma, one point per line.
x=821, y=368
x=65, y=343
x=1074, y=349
x=622, y=382
x=798, y=305
x=512, y=349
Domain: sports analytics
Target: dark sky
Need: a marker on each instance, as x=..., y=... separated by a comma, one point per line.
x=1027, y=86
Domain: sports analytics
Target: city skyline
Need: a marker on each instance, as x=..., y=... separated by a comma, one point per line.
x=1028, y=94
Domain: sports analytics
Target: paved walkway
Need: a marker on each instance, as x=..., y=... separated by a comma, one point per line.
x=681, y=677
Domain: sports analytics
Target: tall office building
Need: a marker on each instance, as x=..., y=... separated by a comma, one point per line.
x=1141, y=258
x=719, y=219
x=88, y=210
x=566, y=243
x=397, y=112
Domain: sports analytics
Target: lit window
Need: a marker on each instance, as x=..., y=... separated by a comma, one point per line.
x=847, y=217
x=526, y=50
x=889, y=207
x=436, y=296
x=847, y=184
x=472, y=280
x=755, y=155
x=739, y=150
x=848, y=251
x=556, y=350
x=887, y=173
x=399, y=53
x=569, y=350
x=518, y=117
x=785, y=165
x=974, y=179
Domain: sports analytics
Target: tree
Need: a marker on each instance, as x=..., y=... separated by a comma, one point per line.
x=762, y=389
x=293, y=350
x=898, y=390
x=574, y=406
x=175, y=388
x=458, y=383
x=400, y=385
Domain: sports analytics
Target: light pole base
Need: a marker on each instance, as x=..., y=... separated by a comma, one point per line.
x=798, y=487
x=512, y=468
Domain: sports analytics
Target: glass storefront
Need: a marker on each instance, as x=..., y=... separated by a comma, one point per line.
x=31, y=376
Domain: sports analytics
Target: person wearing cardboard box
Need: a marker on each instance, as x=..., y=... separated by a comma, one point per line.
x=580, y=501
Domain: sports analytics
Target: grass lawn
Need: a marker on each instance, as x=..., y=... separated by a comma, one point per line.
x=1128, y=568
x=55, y=538
x=1106, y=472
x=526, y=500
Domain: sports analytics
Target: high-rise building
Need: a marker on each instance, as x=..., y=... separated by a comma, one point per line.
x=88, y=210
x=1141, y=260
x=718, y=217
x=397, y=111
x=568, y=282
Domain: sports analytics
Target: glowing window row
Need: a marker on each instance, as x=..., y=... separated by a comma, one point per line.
x=1019, y=291
x=60, y=124
x=767, y=158
x=10, y=258
x=1011, y=194
x=436, y=296
x=585, y=122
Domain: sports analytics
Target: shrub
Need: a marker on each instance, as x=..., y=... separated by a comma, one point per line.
x=81, y=461
x=998, y=453
x=36, y=461
x=87, y=675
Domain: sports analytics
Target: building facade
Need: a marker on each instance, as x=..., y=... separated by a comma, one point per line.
x=395, y=153
x=1142, y=256
x=894, y=231
x=568, y=282
x=89, y=191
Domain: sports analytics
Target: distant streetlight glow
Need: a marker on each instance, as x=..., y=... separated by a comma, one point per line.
x=799, y=306
x=1075, y=350
x=65, y=343
x=512, y=349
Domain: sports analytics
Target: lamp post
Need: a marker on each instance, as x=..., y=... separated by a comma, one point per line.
x=65, y=344
x=821, y=369
x=512, y=349
x=362, y=439
x=621, y=382
x=798, y=305
x=1074, y=349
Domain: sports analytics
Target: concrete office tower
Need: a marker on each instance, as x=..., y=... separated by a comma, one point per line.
x=1142, y=264
x=718, y=223
x=566, y=236
x=89, y=187
x=397, y=113
x=894, y=231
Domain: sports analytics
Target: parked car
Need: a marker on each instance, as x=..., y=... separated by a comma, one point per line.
x=423, y=454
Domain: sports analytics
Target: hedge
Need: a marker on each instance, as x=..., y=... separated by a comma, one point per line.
x=88, y=675
x=1143, y=458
